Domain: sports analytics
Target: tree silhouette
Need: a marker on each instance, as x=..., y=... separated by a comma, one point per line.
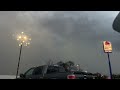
x=70, y=63
x=66, y=65
x=61, y=63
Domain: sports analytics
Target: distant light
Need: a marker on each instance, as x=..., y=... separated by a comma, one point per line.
x=20, y=37
x=20, y=44
x=23, y=39
x=86, y=71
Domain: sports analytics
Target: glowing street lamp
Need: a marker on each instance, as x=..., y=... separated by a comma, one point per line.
x=23, y=40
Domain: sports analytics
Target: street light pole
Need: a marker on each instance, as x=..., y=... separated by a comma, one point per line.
x=23, y=40
x=78, y=67
x=19, y=60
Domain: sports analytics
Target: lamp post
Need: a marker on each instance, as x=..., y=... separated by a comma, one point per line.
x=23, y=40
x=19, y=60
x=78, y=67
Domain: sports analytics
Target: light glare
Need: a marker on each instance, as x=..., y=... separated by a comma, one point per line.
x=19, y=37
x=23, y=39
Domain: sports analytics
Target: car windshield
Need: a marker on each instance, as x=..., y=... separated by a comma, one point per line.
x=29, y=72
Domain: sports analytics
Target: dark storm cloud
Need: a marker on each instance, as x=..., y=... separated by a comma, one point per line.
x=62, y=35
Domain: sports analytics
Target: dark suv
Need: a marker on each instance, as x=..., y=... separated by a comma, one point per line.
x=44, y=72
x=54, y=72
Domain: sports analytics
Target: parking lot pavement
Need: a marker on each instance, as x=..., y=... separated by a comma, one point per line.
x=7, y=76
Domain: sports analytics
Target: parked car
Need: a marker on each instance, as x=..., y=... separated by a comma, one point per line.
x=54, y=72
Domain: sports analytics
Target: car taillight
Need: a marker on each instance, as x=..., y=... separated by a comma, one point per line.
x=71, y=77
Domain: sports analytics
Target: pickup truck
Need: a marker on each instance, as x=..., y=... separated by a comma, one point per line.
x=54, y=72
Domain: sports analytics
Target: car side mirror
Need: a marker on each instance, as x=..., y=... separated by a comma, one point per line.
x=22, y=75
x=116, y=23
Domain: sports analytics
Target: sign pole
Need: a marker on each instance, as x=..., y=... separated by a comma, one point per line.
x=109, y=65
x=107, y=46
